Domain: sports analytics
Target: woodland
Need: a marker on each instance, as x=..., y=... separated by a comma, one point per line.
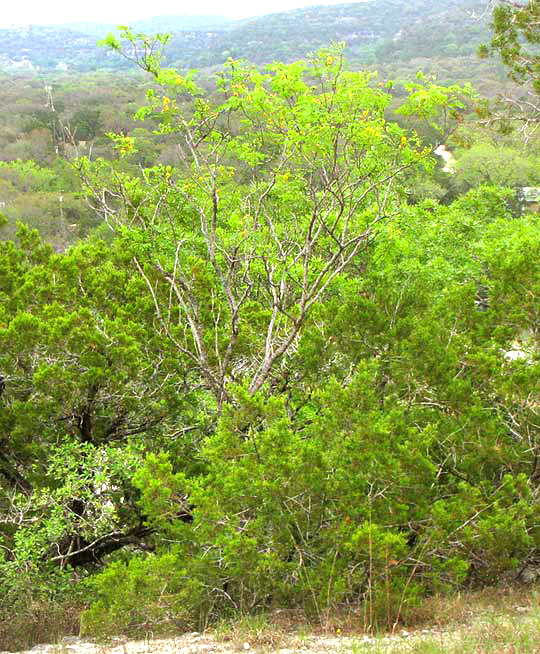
x=259, y=347
x=444, y=33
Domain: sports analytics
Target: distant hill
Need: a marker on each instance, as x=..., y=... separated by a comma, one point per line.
x=50, y=48
x=152, y=25
x=377, y=33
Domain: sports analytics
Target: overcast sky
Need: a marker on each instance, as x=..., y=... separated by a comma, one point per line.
x=46, y=12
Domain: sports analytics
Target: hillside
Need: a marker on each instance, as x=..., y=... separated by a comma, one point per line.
x=370, y=30
x=375, y=33
x=99, y=30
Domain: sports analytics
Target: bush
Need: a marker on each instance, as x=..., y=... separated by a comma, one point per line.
x=141, y=595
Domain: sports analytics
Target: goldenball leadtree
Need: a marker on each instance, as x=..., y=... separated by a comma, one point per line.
x=283, y=178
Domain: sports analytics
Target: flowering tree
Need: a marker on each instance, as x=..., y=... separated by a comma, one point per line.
x=283, y=179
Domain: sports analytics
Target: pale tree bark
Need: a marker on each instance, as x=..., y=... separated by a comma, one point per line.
x=236, y=153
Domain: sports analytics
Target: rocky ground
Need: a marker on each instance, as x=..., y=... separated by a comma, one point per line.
x=503, y=622
x=197, y=643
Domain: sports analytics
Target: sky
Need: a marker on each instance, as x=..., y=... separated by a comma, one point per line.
x=47, y=12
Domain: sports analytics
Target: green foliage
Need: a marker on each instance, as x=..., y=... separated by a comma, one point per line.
x=141, y=595
x=515, y=36
x=80, y=362
x=311, y=501
x=497, y=166
x=277, y=383
x=286, y=176
x=400, y=475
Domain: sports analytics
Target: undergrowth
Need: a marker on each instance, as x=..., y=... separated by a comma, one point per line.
x=499, y=620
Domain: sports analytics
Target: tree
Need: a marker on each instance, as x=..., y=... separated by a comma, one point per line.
x=85, y=124
x=516, y=35
x=285, y=179
x=484, y=163
x=256, y=386
x=87, y=388
x=402, y=460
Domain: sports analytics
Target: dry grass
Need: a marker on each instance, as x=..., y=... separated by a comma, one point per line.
x=494, y=621
x=264, y=631
x=504, y=620
x=38, y=623
x=464, y=607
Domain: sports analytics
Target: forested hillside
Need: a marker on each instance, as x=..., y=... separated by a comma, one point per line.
x=259, y=346
x=375, y=32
